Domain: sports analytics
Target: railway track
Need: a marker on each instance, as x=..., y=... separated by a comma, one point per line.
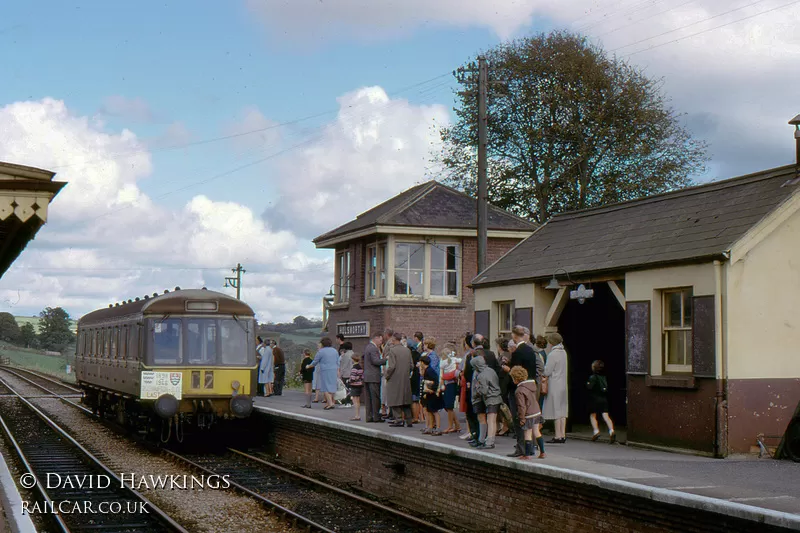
x=50, y=385
x=305, y=501
x=45, y=448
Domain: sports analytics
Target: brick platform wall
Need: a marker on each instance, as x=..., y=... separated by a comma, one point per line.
x=472, y=495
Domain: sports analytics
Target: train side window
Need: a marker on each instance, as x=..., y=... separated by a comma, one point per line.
x=114, y=339
x=201, y=340
x=234, y=344
x=95, y=335
x=167, y=345
x=123, y=342
x=133, y=349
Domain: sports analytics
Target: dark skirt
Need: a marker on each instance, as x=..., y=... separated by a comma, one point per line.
x=450, y=391
x=434, y=403
x=598, y=405
x=355, y=391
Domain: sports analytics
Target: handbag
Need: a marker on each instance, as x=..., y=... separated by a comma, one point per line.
x=341, y=391
x=543, y=388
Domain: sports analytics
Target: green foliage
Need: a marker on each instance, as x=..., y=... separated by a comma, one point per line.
x=54, y=329
x=569, y=128
x=27, y=336
x=9, y=329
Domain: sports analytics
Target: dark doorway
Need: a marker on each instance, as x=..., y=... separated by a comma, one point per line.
x=594, y=330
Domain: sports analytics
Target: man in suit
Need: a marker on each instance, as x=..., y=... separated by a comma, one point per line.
x=525, y=357
x=372, y=379
x=398, y=385
x=280, y=368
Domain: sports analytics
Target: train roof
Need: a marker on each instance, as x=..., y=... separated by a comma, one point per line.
x=170, y=302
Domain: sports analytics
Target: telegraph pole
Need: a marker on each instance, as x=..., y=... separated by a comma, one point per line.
x=483, y=186
x=237, y=281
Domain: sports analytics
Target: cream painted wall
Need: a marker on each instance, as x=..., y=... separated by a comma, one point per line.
x=646, y=286
x=485, y=300
x=763, y=311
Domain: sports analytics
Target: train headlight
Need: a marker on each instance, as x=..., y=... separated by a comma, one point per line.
x=241, y=406
x=166, y=406
x=235, y=384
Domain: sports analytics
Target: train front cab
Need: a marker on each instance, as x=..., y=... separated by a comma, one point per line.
x=215, y=358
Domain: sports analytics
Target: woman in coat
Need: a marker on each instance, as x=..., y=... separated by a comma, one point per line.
x=266, y=369
x=556, y=403
x=327, y=361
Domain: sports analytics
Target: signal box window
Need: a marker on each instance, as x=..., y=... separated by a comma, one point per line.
x=167, y=341
x=409, y=269
x=677, y=330
x=444, y=273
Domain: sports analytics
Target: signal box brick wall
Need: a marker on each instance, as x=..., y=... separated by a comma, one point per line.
x=491, y=497
x=446, y=321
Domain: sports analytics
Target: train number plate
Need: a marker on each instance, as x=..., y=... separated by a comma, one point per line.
x=154, y=384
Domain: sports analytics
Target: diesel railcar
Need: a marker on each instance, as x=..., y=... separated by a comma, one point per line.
x=178, y=361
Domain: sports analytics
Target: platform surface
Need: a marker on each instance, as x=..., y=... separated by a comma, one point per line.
x=764, y=483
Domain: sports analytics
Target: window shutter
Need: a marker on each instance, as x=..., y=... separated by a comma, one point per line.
x=637, y=337
x=523, y=316
x=704, y=359
x=482, y=323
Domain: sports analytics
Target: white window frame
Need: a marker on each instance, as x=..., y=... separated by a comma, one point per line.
x=666, y=329
x=344, y=269
x=430, y=269
x=379, y=271
x=427, y=244
x=505, y=333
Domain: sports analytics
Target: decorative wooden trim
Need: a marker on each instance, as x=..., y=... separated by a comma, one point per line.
x=554, y=313
x=618, y=294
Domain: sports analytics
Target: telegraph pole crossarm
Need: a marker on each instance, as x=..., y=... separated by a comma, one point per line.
x=236, y=282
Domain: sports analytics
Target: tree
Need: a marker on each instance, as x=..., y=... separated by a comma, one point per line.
x=54, y=329
x=302, y=322
x=568, y=128
x=27, y=335
x=9, y=329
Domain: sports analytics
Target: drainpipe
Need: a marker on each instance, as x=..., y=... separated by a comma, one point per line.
x=721, y=402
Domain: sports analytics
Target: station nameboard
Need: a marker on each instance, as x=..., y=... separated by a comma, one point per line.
x=154, y=384
x=353, y=329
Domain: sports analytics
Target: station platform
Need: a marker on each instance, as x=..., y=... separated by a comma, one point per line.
x=766, y=484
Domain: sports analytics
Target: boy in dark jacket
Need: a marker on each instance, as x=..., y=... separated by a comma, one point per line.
x=529, y=415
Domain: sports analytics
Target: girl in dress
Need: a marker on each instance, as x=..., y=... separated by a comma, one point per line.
x=598, y=401
x=528, y=412
x=307, y=375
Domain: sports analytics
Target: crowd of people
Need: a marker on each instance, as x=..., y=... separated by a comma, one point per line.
x=405, y=381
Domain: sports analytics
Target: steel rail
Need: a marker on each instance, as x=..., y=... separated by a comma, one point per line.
x=48, y=391
x=295, y=518
x=427, y=525
x=161, y=515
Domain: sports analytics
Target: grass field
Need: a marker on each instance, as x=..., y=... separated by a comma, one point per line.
x=35, y=322
x=48, y=364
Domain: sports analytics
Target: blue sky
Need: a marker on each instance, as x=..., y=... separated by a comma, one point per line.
x=130, y=81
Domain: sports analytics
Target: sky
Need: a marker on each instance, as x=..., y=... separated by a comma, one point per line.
x=194, y=137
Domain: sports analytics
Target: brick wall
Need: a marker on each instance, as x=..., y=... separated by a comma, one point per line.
x=477, y=495
x=445, y=322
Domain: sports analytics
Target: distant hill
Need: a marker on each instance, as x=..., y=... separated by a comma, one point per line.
x=34, y=320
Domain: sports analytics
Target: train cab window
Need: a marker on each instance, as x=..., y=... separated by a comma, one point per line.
x=235, y=348
x=201, y=340
x=167, y=347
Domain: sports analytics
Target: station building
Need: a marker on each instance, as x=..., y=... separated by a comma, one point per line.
x=407, y=263
x=25, y=194
x=691, y=298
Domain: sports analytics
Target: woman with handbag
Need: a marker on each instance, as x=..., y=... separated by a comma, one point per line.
x=448, y=385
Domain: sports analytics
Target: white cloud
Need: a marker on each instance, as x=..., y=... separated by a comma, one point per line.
x=132, y=109
x=389, y=18
x=374, y=149
x=104, y=234
x=252, y=131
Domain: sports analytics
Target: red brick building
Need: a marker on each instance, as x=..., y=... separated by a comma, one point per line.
x=406, y=264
